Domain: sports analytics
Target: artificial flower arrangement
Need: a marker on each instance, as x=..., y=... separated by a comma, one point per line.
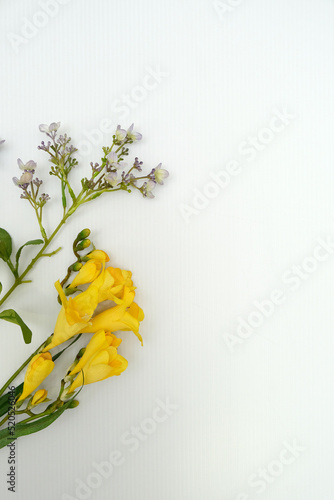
x=95, y=298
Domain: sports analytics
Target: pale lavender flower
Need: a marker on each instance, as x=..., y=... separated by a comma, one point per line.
x=147, y=189
x=48, y=129
x=29, y=166
x=24, y=180
x=113, y=161
x=120, y=134
x=159, y=174
x=111, y=178
x=134, y=136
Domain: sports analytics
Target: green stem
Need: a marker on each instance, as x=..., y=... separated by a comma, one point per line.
x=70, y=190
x=42, y=414
x=19, y=279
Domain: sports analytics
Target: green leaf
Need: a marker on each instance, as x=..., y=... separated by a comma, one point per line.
x=4, y=399
x=30, y=428
x=31, y=242
x=12, y=316
x=5, y=245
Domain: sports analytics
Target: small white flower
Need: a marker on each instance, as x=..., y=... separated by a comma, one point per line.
x=31, y=165
x=111, y=178
x=134, y=136
x=112, y=158
x=25, y=178
x=48, y=129
x=113, y=161
x=160, y=174
x=147, y=189
x=120, y=134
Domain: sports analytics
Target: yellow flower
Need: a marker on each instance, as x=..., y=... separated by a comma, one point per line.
x=77, y=313
x=100, y=360
x=120, y=317
x=39, y=397
x=91, y=269
x=38, y=369
x=112, y=283
x=74, y=314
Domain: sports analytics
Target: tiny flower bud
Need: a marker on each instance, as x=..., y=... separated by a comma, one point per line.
x=82, y=245
x=83, y=234
x=76, y=266
x=74, y=403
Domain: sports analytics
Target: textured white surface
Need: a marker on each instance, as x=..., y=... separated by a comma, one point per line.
x=226, y=70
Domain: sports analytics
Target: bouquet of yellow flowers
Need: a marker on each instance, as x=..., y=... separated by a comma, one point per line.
x=95, y=298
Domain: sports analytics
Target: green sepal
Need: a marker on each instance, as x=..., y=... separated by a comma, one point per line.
x=12, y=316
x=5, y=245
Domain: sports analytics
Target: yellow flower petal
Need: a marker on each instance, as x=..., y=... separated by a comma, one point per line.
x=38, y=369
x=39, y=397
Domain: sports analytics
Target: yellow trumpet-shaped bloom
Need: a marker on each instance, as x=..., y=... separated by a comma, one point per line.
x=79, y=314
x=39, y=397
x=100, y=360
x=117, y=318
x=91, y=269
x=112, y=283
x=38, y=369
x=74, y=314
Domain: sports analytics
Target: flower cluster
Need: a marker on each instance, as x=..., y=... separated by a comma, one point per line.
x=96, y=301
x=111, y=174
x=78, y=315
x=114, y=173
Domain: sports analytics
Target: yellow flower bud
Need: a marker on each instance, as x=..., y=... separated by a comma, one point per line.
x=39, y=397
x=83, y=244
x=38, y=369
x=91, y=269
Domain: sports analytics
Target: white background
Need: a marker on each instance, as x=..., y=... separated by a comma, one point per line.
x=227, y=68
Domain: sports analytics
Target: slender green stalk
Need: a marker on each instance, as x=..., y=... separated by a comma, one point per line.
x=18, y=281
x=38, y=415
